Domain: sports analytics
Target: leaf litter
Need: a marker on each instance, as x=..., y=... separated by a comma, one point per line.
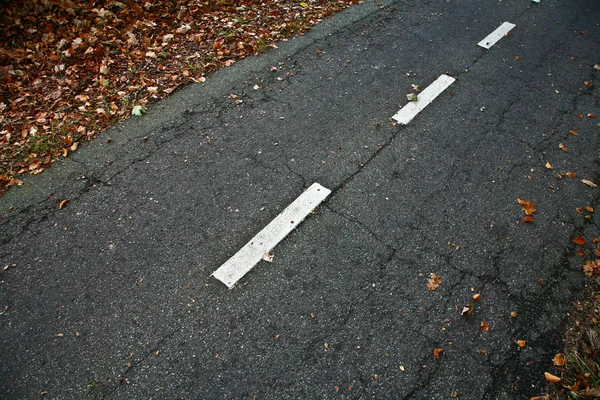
x=70, y=68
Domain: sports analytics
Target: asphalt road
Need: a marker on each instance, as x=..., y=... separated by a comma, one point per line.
x=112, y=296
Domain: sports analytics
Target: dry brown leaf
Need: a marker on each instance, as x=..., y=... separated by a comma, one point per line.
x=589, y=183
x=562, y=147
x=437, y=352
x=62, y=204
x=477, y=296
x=590, y=115
x=528, y=206
x=551, y=378
x=434, y=282
x=589, y=209
x=572, y=132
x=579, y=240
x=484, y=326
x=268, y=257
x=559, y=359
x=548, y=165
x=571, y=174
x=514, y=314
x=591, y=267
x=528, y=218
x=521, y=343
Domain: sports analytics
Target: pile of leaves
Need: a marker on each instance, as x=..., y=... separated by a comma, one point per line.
x=579, y=366
x=71, y=68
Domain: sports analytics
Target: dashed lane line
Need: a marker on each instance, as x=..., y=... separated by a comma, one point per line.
x=249, y=255
x=498, y=34
x=410, y=110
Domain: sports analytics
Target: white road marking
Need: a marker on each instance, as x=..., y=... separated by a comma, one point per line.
x=498, y=34
x=410, y=110
x=249, y=255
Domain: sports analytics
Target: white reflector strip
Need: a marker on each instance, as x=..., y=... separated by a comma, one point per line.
x=409, y=111
x=249, y=255
x=498, y=34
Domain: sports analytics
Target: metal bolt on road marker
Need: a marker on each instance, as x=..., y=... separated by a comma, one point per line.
x=249, y=255
x=495, y=36
x=410, y=110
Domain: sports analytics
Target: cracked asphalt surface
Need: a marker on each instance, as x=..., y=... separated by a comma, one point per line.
x=111, y=296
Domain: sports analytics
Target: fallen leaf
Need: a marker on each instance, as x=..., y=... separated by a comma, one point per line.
x=589, y=183
x=572, y=132
x=591, y=267
x=521, y=343
x=138, y=110
x=434, y=282
x=268, y=257
x=437, y=352
x=60, y=335
x=477, y=296
x=590, y=115
x=256, y=87
x=580, y=116
x=588, y=83
x=580, y=253
x=514, y=314
x=571, y=174
x=528, y=218
x=562, y=147
x=484, y=326
x=528, y=206
x=589, y=209
x=597, y=252
x=467, y=310
x=62, y=204
x=551, y=378
x=548, y=165
x=579, y=240
x=559, y=359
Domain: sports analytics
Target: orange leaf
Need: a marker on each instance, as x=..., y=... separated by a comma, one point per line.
x=434, y=282
x=597, y=252
x=528, y=206
x=579, y=240
x=551, y=378
x=580, y=253
x=437, y=352
x=589, y=209
x=571, y=174
x=528, y=218
x=572, y=132
x=62, y=204
x=559, y=359
x=521, y=343
x=477, y=296
x=484, y=326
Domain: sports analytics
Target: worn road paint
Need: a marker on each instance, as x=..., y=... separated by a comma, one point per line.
x=410, y=110
x=249, y=255
x=498, y=34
